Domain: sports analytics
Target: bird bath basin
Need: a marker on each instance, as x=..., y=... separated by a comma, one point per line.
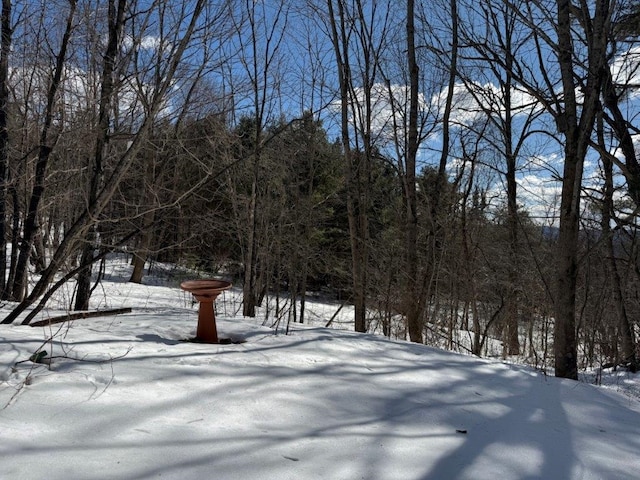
x=205, y=292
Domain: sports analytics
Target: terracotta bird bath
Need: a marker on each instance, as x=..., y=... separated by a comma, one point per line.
x=206, y=291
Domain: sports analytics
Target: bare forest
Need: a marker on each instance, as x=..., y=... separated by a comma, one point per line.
x=462, y=172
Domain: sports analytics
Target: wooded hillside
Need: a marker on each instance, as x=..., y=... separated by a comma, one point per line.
x=445, y=166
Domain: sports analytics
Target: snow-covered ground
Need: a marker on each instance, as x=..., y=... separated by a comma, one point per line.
x=125, y=397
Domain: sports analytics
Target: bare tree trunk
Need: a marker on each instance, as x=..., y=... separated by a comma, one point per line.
x=511, y=340
x=435, y=229
x=80, y=227
x=44, y=152
x=261, y=50
x=116, y=15
x=142, y=252
x=249, y=288
x=358, y=235
x=622, y=128
x=356, y=204
x=625, y=330
x=15, y=239
x=413, y=301
x=576, y=122
x=5, y=50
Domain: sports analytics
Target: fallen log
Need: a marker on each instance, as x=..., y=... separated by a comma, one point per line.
x=79, y=315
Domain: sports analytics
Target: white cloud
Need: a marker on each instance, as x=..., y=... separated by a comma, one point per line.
x=389, y=111
x=79, y=91
x=625, y=70
x=147, y=42
x=474, y=101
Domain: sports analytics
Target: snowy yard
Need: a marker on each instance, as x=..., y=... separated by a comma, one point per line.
x=126, y=398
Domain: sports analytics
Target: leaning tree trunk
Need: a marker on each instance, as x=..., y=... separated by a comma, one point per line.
x=80, y=227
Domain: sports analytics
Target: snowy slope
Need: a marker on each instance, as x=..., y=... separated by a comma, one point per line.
x=126, y=398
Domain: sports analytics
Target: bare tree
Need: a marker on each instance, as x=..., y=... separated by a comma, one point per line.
x=259, y=38
x=624, y=325
x=513, y=116
x=576, y=122
x=116, y=19
x=48, y=136
x=186, y=30
x=5, y=50
x=413, y=299
x=358, y=33
x=567, y=82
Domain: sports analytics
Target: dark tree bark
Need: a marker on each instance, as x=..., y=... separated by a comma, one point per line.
x=80, y=227
x=626, y=337
x=116, y=16
x=511, y=339
x=5, y=50
x=434, y=225
x=413, y=301
x=47, y=140
x=576, y=122
x=142, y=252
x=356, y=169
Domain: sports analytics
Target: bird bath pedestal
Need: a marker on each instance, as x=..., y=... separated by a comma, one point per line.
x=206, y=291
